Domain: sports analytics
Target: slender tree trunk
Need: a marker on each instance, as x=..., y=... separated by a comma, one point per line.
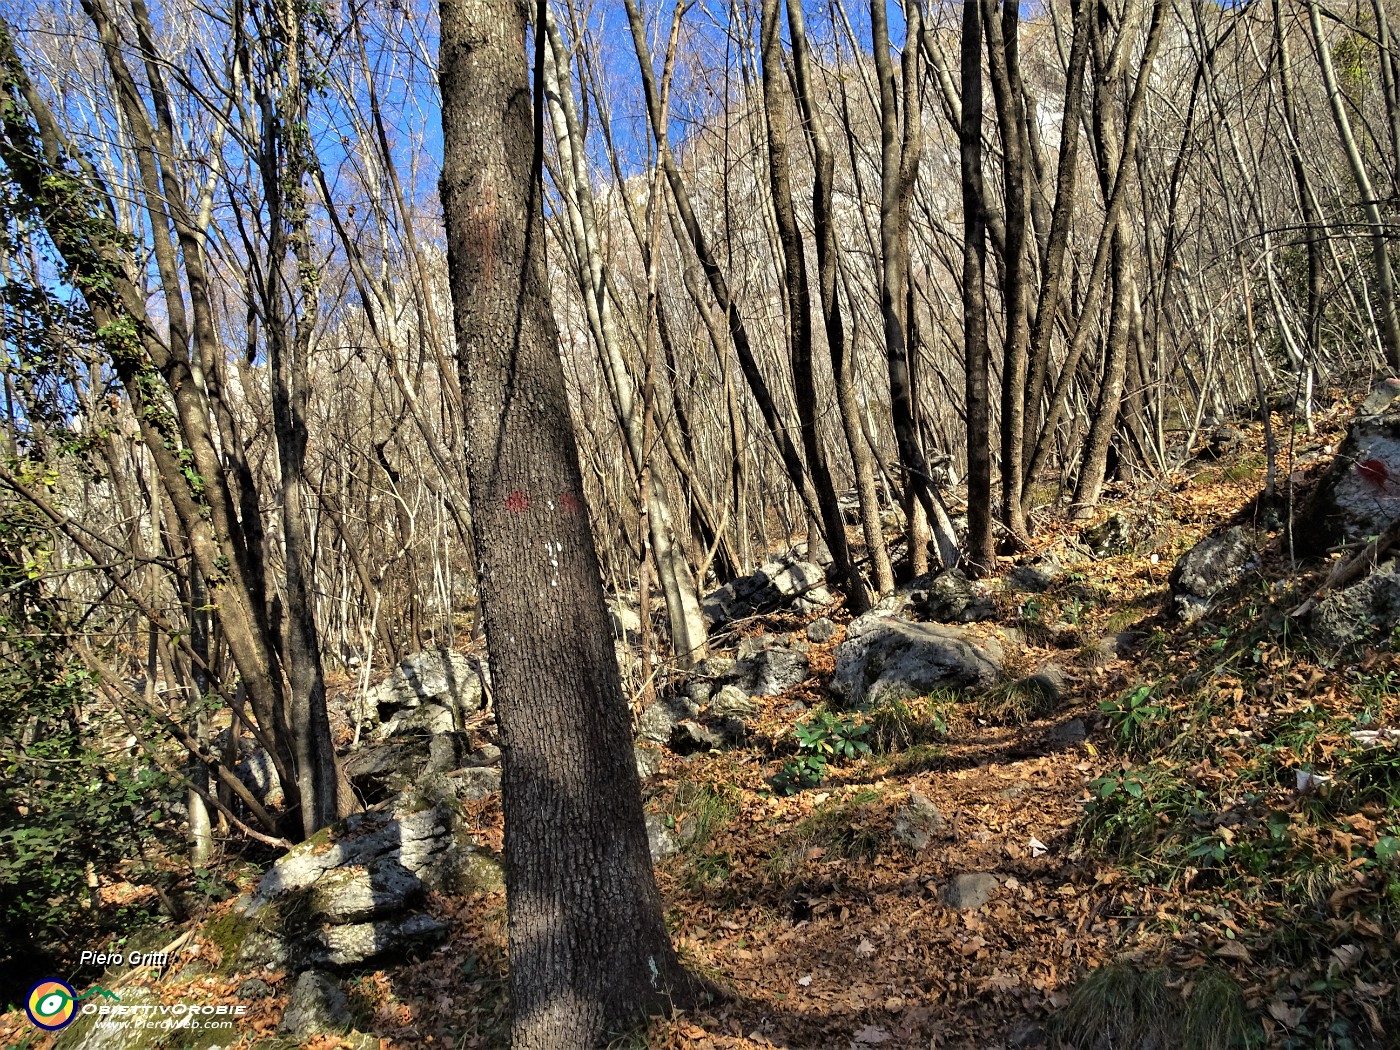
x=1388, y=321
x=1094, y=463
x=588, y=944
x=201, y=833
x=828, y=263
x=794, y=264
x=1003, y=53
x=677, y=585
x=283, y=165
x=981, y=553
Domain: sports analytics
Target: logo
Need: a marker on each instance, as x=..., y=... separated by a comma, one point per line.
x=52, y=1004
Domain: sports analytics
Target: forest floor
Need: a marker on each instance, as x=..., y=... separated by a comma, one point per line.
x=1217, y=810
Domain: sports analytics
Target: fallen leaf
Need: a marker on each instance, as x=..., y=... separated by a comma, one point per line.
x=871, y=1035
x=1288, y=1016
x=1345, y=956
x=864, y=947
x=1233, y=950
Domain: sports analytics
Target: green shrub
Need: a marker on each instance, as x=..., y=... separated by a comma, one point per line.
x=823, y=739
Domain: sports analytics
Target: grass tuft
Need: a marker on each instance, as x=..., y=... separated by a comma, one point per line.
x=1120, y=1006
x=1216, y=1017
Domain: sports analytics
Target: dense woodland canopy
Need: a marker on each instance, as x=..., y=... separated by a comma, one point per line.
x=905, y=284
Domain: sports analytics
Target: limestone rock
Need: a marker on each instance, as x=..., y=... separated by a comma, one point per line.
x=779, y=583
x=476, y=782
x=885, y=659
x=254, y=988
x=772, y=670
x=85, y=1033
x=1070, y=734
x=950, y=597
x=1359, y=496
x=970, y=891
x=1034, y=578
x=356, y=943
x=916, y=824
x=648, y=761
x=1120, y=533
x=437, y=676
x=659, y=721
x=820, y=630
x=1207, y=569
x=485, y=755
x=1047, y=685
x=317, y=1007
x=1366, y=613
x=257, y=772
x=1224, y=440
x=732, y=702
x=661, y=840
x=351, y=893
x=626, y=624
x=689, y=737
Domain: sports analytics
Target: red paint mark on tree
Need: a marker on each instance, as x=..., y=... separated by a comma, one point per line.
x=569, y=502
x=517, y=501
x=1374, y=471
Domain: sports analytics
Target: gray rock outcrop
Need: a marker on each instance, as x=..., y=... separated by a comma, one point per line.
x=916, y=824
x=1207, y=569
x=432, y=676
x=949, y=597
x=1366, y=613
x=317, y=1006
x=766, y=668
x=1359, y=496
x=352, y=893
x=885, y=659
x=780, y=583
x=970, y=891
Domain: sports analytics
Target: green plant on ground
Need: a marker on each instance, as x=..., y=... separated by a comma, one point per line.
x=902, y=724
x=1151, y=814
x=1136, y=716
x=823, y=740
x=1016, y=703
x=840, y=829
x=835, y=737
x=1120, y=1005
x=918, y=759
x=705, y=807
x=707, y=870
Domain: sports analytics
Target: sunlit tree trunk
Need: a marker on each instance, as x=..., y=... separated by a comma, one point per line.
x=588, y=945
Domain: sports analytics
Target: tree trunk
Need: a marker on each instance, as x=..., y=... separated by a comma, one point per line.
x=588, y=945
x=1004, y=62
x=981, y=554
x=828, y=263
x=799, y=296
x=688, y=638
x=1388, y=322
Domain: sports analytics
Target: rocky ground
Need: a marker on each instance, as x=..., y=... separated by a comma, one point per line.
x=1138, y=790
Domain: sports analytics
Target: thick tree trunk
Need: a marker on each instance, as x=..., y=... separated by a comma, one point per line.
x=588, y=945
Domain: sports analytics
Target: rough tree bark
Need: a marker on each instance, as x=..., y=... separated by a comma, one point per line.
x=981, y=555
x=588, y=945
x=775, y=100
